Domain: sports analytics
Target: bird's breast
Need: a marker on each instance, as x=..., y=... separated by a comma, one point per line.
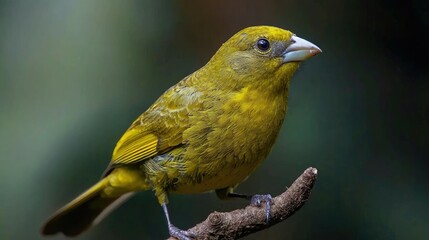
x=223, y=149
x=250, y=123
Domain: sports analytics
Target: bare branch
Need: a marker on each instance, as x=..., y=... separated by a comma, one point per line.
x=242, y=222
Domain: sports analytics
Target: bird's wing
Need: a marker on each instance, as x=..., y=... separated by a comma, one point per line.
x=158, y=130
x=134, y=146
x=146, y=138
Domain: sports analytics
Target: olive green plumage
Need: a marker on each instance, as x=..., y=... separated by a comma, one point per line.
x=207, y=132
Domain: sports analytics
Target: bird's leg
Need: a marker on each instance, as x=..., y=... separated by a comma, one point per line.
x=162, y=196
x=255, y=200
x=173, y=230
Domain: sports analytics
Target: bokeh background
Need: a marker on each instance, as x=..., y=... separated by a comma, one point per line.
x=75, y=74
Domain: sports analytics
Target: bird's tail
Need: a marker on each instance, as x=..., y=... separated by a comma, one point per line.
x=83, y=212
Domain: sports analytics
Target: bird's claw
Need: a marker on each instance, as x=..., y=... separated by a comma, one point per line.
x=180, y=234
x=257, y=200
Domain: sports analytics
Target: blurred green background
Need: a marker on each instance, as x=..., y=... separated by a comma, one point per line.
x=75, y=74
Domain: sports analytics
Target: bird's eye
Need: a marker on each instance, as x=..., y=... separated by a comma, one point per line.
x=263, y=44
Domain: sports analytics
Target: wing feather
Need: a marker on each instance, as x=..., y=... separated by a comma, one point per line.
x=159, y=129
x=134, y=146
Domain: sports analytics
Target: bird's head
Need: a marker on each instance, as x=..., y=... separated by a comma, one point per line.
x=262, y=53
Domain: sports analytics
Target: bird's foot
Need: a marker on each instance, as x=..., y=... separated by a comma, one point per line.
x=180, y=234
x=257, y=200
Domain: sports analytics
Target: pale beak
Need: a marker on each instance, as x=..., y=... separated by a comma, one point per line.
x=300, y=50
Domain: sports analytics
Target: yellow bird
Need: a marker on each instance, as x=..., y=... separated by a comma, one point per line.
x=208, y=132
